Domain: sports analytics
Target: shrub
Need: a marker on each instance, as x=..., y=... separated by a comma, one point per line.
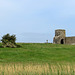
x=9, y=41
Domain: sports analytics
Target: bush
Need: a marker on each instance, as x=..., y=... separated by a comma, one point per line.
x=9, y=41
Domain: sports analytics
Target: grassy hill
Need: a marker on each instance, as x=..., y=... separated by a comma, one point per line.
x=38, y=52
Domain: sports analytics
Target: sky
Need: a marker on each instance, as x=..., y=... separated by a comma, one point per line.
x=36, y=20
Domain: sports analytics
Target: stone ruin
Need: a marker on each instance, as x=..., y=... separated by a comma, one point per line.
x=60, y=38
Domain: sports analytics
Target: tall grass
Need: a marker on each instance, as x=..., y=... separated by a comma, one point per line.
x=37, y=69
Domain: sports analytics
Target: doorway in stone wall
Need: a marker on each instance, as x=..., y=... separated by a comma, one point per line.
x=62, y=41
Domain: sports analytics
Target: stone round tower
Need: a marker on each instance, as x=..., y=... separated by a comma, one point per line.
x=59, y=32
x=59, y=36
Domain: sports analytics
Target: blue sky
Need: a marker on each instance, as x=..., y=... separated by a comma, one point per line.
x=36, y=20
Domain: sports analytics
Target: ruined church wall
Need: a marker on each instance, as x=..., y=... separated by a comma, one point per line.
x=70, y=40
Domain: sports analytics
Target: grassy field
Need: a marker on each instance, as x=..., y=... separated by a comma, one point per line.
x=38, y=59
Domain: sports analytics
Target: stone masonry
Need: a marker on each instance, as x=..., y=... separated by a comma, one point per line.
x=60, y=38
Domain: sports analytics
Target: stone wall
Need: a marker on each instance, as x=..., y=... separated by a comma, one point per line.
x=59, y=36
x=60, y=32
x=70, y=40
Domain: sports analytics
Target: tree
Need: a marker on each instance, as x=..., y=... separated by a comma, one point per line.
x=9, y=41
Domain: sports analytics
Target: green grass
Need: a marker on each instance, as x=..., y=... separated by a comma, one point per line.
x=38, y=59
x=38, y=53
